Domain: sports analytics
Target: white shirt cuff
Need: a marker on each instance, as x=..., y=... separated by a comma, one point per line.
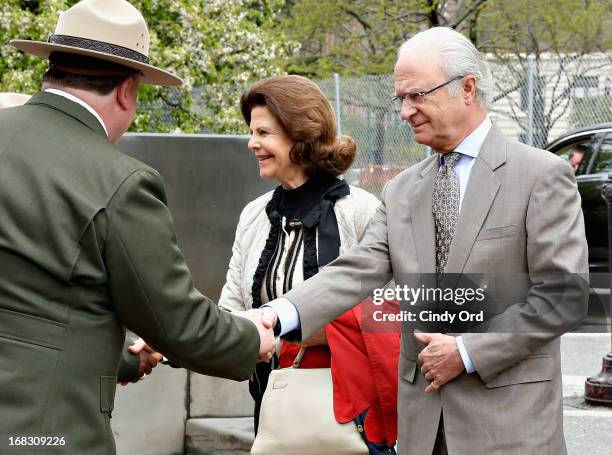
x=467, y=361
x=287, y=314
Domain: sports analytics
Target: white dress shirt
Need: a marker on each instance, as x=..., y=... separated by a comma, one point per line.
x=469, y=148
x=74, y=99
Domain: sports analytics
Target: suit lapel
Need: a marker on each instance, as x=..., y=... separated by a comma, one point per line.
x=479, y=196
x=422, y=219
x=69, y=108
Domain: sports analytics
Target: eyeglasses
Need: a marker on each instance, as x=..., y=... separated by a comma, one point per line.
x=416, y=98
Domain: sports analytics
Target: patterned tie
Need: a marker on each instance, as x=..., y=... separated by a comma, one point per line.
x=445, y=206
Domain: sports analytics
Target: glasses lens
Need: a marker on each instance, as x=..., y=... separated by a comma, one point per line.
x=416, y=99
x=409, y=99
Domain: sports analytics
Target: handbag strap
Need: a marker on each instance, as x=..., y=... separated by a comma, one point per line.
x=299, y=357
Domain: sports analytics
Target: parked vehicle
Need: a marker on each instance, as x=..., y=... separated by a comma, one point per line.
x=589, y=151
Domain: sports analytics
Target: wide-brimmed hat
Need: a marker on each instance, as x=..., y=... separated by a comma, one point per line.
x=10, y=99
x=110, y=30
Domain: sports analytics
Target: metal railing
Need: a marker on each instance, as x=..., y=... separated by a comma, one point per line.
x=536, y=99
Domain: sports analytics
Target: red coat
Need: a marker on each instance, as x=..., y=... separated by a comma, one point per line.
x=364, y=370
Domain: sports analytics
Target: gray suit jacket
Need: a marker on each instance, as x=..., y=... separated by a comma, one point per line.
x=520, y=218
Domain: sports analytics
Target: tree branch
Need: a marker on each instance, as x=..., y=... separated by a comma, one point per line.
x=358, y=18
x=468, y=13
x=432, y=14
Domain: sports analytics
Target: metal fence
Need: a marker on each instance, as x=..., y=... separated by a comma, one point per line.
x=539, y=98
x=385, y=143
x=536, y=99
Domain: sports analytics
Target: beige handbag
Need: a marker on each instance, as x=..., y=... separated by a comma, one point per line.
x=297, y=416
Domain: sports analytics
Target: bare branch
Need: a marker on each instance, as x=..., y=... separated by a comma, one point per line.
x=504, y=93
x=432, y=15
x=358, y=18
x=557, y=100
x=479, y=4
x=174, y=104
x=514, y=115
x=563, y=111
x=366, y=26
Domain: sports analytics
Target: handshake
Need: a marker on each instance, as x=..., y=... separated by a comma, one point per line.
x=263, y=318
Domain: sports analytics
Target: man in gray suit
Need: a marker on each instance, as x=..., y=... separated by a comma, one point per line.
x=480, y=204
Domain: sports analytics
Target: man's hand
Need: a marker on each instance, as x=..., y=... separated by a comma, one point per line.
x=264, y=321
x=269, y=317
x=440, y=359
x=149, y=357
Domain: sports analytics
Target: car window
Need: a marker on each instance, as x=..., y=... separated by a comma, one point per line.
x=603, y=159
x=577, y=154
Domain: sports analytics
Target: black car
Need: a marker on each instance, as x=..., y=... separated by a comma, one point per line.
x=589, y=151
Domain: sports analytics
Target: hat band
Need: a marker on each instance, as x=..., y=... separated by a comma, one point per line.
x=98, y=46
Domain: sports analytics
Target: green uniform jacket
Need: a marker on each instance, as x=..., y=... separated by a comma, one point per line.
x=87, y=247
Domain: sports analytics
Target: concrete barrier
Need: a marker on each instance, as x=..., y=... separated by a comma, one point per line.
x=215, y=397
x=149, y=416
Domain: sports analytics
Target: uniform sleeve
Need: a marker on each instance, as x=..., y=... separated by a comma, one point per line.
x=153, y=292
x=129, y=364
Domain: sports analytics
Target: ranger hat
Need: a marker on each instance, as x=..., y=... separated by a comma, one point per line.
x=9, y=99
x=109, y=30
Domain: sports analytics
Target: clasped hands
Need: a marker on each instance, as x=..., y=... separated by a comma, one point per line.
x=264, y=319
x=440, y=359
x=149, y=358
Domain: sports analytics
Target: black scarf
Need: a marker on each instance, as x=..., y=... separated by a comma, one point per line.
x=321, y=216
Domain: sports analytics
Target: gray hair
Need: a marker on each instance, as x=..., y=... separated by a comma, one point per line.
x=459, y=57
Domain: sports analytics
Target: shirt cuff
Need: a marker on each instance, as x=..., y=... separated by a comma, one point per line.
x=467, y=361
x=287, y=314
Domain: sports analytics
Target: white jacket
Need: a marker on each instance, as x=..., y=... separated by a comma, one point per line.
x=353, y=212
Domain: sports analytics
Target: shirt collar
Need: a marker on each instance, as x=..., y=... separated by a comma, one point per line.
x=78, y=101
x=472, y=144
